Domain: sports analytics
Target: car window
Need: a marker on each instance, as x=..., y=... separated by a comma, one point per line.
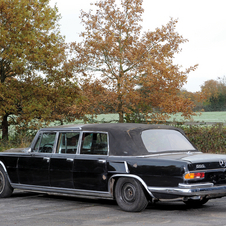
x=67, y=143
x=94, y=144
x=45, y=143
x=160, y=140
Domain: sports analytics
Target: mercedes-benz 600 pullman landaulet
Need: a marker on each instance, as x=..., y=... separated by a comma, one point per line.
x=131, y=163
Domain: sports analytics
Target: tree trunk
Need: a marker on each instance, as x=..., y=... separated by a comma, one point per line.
x=120, y=112
x=120, y=103
x=5, y=128
x=121, y=120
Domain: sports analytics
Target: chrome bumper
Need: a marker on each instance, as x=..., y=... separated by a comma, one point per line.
x=192, y=190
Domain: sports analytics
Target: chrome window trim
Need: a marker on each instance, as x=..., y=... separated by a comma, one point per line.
x=171, y=153
x=36, y=139
x=80, y=144
x=57, y=140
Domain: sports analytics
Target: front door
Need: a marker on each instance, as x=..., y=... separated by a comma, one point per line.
x=33, y=168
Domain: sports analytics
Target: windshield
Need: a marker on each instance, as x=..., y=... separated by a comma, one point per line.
x=161, y=140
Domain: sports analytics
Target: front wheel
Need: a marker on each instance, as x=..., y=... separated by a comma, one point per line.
x=5, y=187
x=129, y=195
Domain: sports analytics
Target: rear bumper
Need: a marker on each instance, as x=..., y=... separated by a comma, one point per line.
x=185, y=190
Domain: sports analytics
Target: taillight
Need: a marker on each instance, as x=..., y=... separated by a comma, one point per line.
x=190, y=176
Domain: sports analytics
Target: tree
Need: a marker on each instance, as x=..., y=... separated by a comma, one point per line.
x=211, y=88
x=115, y=50
x=197, y=97
x=215, y=90
x=35, y=101
x=32, y=56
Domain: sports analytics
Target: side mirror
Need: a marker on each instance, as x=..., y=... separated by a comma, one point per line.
x=26, y=150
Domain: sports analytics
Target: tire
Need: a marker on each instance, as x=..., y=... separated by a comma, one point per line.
x=196, y=203
x=5, y=188
x=129, y=195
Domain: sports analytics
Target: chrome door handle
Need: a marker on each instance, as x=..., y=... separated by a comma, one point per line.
x=46, y=158
x=101, y=160
x=69, y=160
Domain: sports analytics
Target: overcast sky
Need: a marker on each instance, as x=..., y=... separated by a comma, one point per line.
x=202, y=22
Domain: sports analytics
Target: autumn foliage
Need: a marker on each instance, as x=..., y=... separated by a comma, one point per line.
x=34, y=80
x=117, y=67
x=135, y=66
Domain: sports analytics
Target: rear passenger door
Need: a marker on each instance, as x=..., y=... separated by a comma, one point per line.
x=90, y=166
x=62, y=162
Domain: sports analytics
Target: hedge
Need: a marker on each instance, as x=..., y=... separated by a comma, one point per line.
x=208, y=139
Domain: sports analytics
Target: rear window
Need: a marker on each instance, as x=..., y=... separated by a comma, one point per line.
x=162, y=140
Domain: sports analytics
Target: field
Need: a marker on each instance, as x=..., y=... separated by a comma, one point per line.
x=201, y=118
x=204, y=117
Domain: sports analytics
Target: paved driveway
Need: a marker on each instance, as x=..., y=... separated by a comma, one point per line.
x=32, y=209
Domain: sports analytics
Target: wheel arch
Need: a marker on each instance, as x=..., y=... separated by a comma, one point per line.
x=3, y=166
x=113, y=180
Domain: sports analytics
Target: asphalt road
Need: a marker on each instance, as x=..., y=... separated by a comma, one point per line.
x=32, y=209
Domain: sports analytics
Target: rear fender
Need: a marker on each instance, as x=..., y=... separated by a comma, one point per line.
x=117, y=176
x=4, y=168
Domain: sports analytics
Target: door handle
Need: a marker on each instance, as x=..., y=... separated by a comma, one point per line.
x=101, y=160
x=69, y=160
x=46, y=158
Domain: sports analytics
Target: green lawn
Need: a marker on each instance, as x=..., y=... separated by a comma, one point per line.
x=206, y=117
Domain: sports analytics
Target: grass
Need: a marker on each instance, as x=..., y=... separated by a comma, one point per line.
x=201, y=117
x=205, y=117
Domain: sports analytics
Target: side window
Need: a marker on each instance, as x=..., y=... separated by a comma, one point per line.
x=45, y=143
x=67, y=143
x=94, y=144
x=36, y=148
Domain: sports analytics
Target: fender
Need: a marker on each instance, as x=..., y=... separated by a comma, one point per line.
x=111, y=182
x=4, y=168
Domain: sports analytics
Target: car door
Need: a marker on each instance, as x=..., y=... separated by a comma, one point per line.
x=33, y=167
x=90, y=166
x=62, y=162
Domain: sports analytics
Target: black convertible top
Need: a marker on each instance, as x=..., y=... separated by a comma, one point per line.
x=124, y=138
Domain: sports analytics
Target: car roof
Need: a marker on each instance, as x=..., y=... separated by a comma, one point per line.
x=124, y=138
x=109, y=127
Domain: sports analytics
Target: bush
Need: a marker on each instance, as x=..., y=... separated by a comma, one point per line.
x=210, y=139
x=19, y=140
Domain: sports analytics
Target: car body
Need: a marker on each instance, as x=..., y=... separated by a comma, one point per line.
x=132, y=163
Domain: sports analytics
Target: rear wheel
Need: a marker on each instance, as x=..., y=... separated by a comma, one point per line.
x=5, y=187
x=129, y=195
x=196, y=203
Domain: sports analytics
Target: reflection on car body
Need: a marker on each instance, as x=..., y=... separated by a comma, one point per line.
x=132, y=163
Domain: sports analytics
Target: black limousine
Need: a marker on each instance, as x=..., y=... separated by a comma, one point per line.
x=131, y=163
